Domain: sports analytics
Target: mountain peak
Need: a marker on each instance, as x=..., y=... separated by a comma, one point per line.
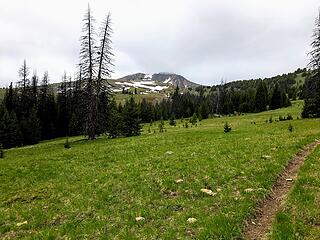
x=161, y=78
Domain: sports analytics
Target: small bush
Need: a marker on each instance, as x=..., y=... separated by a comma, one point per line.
x=226, y=127
x=281, y=118
x=186, y=125
x=172, y=121
x=289, y=117
x=193, y=119
x=67, y=144
x=290, y=128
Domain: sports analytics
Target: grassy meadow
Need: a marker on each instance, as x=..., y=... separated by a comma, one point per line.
x=96, y=189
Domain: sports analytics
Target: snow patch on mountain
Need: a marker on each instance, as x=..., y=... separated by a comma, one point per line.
x=150, y=85
x=168, y=80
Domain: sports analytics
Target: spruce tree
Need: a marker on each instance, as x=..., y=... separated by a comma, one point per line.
x=63, y=113
x=261, y=98
x=10, y=99
x=312, y=83
x=115, y=127
x=47, y=109
x=10, y=135
x=276, y=98
x=131, y=120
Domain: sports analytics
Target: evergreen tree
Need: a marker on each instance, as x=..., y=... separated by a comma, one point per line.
x=24, y=74
x=261, y=98
x=276, y=98
x=34, y=89
x=146, y=113
x=47, y=109
x=312, y=83
x=176, y=104
x=10, y=135
x=204, y=110
x=32, y=129
x=63, y=114
x=131, y=121
x=115, y=126
x=10, y=99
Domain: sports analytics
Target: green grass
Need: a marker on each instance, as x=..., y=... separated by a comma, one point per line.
x=96, y=189
x=300, y=218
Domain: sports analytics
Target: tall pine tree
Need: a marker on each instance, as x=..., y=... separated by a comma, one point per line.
x=312, y=83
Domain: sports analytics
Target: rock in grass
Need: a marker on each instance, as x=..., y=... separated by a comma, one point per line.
x=208, y=191
x=139, y=219
x=191, y=220
x=248, y=190
x=179, y=181
x=169, y=152
x=22, y=223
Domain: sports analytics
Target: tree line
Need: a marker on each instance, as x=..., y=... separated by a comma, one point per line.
x=33, y=111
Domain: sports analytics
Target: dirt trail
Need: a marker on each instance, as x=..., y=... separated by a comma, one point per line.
x=260, y=224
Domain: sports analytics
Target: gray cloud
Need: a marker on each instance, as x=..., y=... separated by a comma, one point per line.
x=203, y=40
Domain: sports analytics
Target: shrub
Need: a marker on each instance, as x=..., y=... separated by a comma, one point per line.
x=270, y=119
x=290, y=127
x=289, y=117
x=172, y=121
x=281, y=118
x=226, y=127
x=193, y=119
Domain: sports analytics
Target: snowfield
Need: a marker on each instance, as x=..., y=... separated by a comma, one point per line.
x=150, y=85
x=168, y=80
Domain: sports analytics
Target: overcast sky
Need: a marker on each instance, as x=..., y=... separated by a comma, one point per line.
x=203, y=40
